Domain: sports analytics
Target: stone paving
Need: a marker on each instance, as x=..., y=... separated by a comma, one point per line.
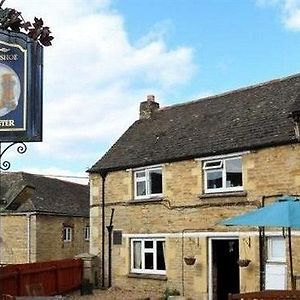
x=115, y=294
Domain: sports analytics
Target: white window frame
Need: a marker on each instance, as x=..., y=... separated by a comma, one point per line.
x=222, y=167
x=276, y=266
x=68, y=233
x=271, y=257
x=147, y=250
x=87, y=232
x=146, y=178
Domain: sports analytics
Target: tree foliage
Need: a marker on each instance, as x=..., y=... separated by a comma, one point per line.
x=11, y=19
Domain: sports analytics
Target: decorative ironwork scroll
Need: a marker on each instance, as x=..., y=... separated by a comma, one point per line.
x=21, y=149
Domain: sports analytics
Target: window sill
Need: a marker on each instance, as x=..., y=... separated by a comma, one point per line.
x=223, y=194
x=146, y=200
x=148, y=276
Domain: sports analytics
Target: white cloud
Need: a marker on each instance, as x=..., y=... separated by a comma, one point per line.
x=94, y=79
x=94, y=76
x=290, y=11
x=291, y=14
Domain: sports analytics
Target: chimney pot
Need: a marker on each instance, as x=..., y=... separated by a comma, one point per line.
x=148, y=107
x=151, y=98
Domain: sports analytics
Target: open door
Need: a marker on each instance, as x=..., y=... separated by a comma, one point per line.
x=225, y=270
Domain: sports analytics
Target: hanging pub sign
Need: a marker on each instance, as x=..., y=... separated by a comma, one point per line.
x=21, y=71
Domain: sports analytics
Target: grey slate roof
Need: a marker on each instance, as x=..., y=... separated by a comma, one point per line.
x=248, y=118
x=49, y=195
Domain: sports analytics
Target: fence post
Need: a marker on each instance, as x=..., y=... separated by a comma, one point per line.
x=56, y=280
x=19, y=283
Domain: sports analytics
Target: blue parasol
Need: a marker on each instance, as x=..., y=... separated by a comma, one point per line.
x=284, y=212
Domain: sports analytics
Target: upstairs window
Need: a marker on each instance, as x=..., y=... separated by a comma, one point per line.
x=87, y=233
x=223, y=175
x=148, y=183
x=67, y=234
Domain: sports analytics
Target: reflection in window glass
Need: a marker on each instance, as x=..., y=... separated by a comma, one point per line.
x=141, y=188
x=233, y=172
x=214, y=179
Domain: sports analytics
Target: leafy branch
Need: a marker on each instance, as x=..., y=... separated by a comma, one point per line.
x=11, y=19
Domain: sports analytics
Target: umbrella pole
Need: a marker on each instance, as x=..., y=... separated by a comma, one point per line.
x=291, y=259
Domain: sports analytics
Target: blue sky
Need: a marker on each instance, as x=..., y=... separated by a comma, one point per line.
x=108, y=55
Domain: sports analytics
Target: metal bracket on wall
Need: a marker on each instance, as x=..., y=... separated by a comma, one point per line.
x=21, y=149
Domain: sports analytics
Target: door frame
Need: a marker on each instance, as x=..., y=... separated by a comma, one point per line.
x=210, y=257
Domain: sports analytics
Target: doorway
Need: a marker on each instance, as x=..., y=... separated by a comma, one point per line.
x=225, y=273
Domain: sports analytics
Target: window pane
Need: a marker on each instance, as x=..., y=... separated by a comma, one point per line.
x=141, y=188
x=160, y=255
x=87, y=233
x=214, y=179
x=155, y=182
x=148, y=244
x=149, y=261
x=234, y=172
x=276, y=249
x=213, y=164
x=140, y=174
x=137, y=257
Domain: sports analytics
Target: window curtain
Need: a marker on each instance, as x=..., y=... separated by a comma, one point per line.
x=137, y=255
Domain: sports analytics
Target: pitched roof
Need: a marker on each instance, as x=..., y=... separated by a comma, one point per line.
x=49, y=195
x=248, y=118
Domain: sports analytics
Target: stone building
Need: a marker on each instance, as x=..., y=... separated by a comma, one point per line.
x=42, y=218
x=177, y=172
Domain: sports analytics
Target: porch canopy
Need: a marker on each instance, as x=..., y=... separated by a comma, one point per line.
x=284, y=212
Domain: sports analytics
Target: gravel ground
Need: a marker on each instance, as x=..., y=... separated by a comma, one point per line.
x=115, y=294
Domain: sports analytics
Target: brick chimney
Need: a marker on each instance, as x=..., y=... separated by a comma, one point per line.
x=148, y=107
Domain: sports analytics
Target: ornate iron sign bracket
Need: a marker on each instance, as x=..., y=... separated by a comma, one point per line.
x=21, y=149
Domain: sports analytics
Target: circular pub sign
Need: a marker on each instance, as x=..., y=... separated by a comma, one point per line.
x=10, y=90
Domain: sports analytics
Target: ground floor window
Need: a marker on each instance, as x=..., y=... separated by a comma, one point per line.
x=148, y=256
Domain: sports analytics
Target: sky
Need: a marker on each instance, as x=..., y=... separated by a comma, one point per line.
x=108, y=55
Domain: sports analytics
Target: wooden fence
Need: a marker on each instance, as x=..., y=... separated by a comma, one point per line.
x=55, y=277
x=267, y=295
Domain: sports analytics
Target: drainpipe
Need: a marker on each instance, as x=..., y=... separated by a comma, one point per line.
x=103, y=175
x=28, y=215
x=262, y=252
x=110, y=230
x=1, y=240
